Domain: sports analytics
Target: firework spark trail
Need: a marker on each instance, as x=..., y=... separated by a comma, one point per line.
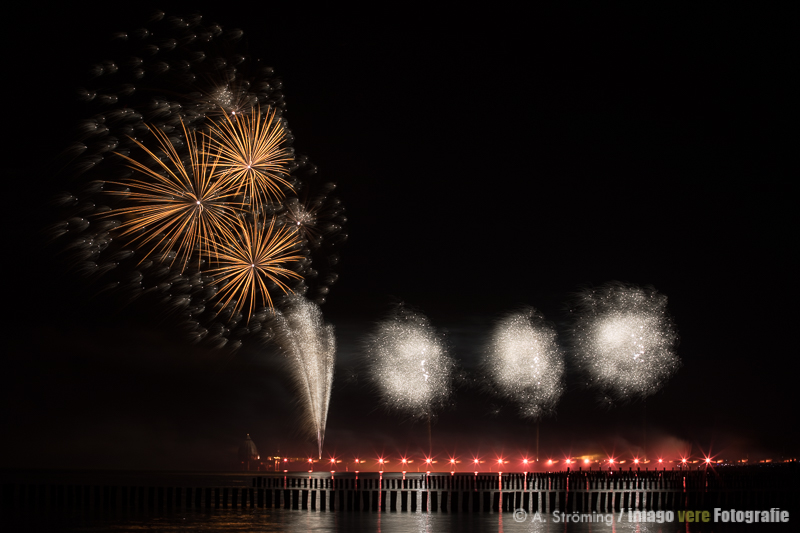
x=526, y=363
x=409, y=364
x=310, y=346
x=176, y=206
x=625, y=340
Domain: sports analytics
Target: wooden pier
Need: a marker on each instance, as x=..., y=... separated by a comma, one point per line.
x=732, y=487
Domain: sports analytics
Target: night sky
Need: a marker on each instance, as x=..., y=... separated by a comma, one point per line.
x=487, y=159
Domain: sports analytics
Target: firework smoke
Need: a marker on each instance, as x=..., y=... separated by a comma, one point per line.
x=409, y=365
x=624, y=339
x=310, y=348
x=526, y=363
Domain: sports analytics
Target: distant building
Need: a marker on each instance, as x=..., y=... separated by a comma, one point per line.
x=249, y=458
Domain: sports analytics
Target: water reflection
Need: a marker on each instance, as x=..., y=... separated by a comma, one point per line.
x=277, y=520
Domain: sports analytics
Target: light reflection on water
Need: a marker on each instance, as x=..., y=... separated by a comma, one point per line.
x=278, y=520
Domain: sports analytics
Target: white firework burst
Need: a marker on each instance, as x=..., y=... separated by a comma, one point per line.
x=409, y=364
x=625, y=340
x=310, y=347
x=526, y=363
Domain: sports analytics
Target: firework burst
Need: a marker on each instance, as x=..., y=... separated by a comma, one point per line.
x=177, y=208
x=178, y=76
x=318, y=217
x=253, y=261
x=526, y=363
x=310, y=348
x=409, y=364
x=624, y=339
x=251, y=155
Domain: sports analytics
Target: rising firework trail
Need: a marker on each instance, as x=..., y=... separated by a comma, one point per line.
x=526, y=363
x=409, y=364
x=624, y=339
x=310, y=348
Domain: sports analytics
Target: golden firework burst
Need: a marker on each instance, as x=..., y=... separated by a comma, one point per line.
x=177, y=207
x=251, y=156
x=256, y=256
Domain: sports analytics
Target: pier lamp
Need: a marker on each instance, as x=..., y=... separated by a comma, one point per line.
x=499, y=465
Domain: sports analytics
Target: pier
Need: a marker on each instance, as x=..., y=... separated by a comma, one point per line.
x=578, y=491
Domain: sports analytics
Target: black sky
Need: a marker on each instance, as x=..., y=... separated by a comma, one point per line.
x=487, y=159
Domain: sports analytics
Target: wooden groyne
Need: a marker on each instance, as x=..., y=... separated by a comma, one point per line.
x=741, y=488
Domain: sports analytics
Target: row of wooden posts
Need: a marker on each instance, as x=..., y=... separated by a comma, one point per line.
x=566, y=492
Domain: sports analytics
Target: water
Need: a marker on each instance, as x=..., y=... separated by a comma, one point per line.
x=279, y=520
